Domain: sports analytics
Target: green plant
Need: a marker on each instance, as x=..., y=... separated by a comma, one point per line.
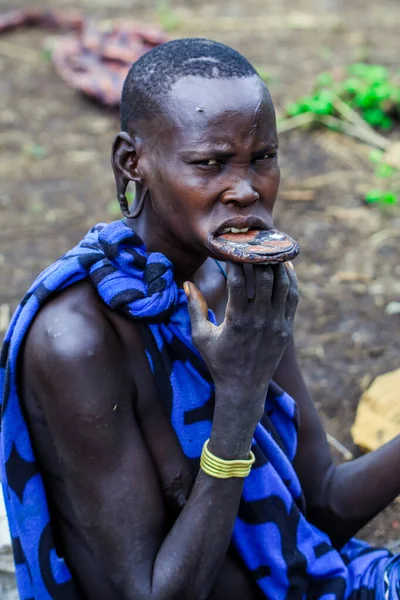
x=36, y=151
x=364, y=98
x=167, y=17
x=368, y=89
x=46, y=54
x=113, y=207
x=267, y=76
x=387, y=190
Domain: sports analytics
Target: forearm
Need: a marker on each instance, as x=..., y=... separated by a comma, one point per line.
x=354, y=492
x=191, y=556
x=340, y=499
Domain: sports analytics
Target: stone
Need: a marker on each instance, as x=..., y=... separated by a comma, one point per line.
x=8, y=589
x=393, y=308
x=378, y=414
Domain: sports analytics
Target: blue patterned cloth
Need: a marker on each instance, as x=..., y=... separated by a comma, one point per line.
x=287, y=556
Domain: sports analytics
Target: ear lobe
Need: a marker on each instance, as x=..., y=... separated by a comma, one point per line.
x=124, y=159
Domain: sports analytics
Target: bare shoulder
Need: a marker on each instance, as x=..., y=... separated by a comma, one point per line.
x=70, y=327
x=74, y=350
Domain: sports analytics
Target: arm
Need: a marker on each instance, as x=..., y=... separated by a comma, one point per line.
x=79, y=379
x=77, y=368
x=341, y=499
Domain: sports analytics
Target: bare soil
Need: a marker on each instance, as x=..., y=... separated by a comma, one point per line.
x=349, y=268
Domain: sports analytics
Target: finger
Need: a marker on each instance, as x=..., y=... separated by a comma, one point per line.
x=264, y=282
x=250, y=282
x=198, y=311
x=237, y=293
x=293, y=294
x=289, y=265
x=281, y=286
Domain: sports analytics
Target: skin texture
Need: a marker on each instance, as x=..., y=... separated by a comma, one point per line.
x=94, y=411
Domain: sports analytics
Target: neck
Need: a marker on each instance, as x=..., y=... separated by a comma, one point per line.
x=185, y=260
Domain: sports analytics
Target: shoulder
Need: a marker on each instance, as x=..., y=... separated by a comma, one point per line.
x=76, y=380
x=73, y=342
x=70, y=326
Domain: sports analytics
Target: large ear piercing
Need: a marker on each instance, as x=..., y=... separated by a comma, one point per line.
x=124, y=206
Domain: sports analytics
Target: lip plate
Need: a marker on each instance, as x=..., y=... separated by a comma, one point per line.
x=263, y=247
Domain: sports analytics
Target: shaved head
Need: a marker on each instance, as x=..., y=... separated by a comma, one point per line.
x=152, y=76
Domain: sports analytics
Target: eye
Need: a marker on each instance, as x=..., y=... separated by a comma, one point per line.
x=266, y=156
x=211, y=162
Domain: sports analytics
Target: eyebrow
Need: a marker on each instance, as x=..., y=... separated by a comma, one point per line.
x=223, y=152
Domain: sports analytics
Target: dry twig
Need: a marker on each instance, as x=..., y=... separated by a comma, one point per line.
x=345, y=452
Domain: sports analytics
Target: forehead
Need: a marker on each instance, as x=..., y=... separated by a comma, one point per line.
x=199, y=110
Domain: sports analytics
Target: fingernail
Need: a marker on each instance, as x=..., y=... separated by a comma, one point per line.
x=289, y=264
x=186, y=288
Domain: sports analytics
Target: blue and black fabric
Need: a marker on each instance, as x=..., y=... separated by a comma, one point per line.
x=288, y=557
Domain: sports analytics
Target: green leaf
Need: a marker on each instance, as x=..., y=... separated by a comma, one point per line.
x=169, y=20
x=295, y=108
x=374, y=116
x=389, y=198
x=387, y=123
x=373, y=196
x=46, y=54
x=263, y=73
x=357, y=69
x=383, y=92
x=113, y=208
x=376, y=73
x=35, y=151
x=385, y=171
x=352, y=85
x=321, y=106
x=375, y=156
x=367, y=99
x=325, y=79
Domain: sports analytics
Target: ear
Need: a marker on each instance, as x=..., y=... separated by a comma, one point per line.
x=124, y=161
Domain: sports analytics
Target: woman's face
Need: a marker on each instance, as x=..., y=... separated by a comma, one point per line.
x=210, y=161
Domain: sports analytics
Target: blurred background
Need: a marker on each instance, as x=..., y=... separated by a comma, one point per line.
x=336, y=197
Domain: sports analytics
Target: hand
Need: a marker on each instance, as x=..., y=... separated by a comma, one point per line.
x=243, y=352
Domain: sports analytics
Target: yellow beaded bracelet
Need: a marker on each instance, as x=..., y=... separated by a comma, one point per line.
x=224, y=469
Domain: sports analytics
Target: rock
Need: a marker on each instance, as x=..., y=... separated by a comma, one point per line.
x=5, y=541
x=8, y=589
x=393, y=308
x=378, y=413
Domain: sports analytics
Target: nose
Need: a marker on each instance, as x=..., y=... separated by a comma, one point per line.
x=241, y=193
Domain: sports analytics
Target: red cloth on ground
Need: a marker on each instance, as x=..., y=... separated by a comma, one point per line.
x=94, y=56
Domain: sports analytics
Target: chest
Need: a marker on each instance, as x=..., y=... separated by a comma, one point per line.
x=177, y=474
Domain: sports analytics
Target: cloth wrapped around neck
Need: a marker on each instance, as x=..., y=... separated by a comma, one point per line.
x=287, y=556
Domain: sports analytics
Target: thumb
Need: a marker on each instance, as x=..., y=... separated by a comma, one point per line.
x=198, y=309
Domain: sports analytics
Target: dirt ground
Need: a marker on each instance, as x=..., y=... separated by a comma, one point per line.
x=349, y=268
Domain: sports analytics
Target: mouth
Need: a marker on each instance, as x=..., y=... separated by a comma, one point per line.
x=252, y=242
x=243, y=228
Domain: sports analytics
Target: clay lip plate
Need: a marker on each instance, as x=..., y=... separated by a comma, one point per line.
x=257, y=246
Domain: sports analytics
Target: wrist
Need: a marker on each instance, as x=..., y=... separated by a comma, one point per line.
x=237, y=411
x=214, y=466
x=231, y=437
x=229, y=449
x=238, y=394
